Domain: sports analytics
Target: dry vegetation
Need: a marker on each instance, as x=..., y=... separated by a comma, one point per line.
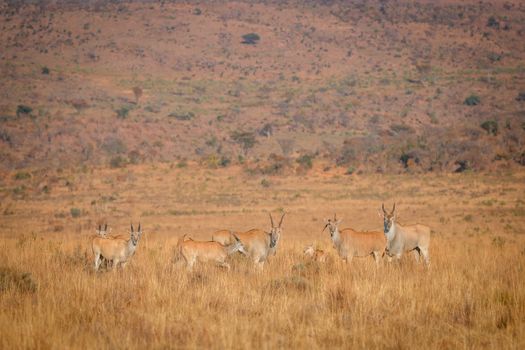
x=471, y=297
x=372, y=86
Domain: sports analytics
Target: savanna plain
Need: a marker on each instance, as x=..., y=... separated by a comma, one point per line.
x=471, y=296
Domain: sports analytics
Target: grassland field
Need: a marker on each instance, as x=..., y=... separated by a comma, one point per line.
x=471, y=297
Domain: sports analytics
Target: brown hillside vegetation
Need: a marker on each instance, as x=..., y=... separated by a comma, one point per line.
x=190, y=117
x=472, y=295
x=368, y=85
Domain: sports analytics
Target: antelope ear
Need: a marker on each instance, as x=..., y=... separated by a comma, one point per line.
x=379, y=214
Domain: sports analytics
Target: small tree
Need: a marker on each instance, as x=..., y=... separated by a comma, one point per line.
x=246, y=139
x=250, y=38
x=472, y=100
x=137, y=91
x=490, y=126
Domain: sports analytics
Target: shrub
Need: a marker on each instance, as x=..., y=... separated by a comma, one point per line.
x=472, y=100
x=21, y=281
x=118, y=162
x=23, y=109
x=75, y=212
x=122, y=112
x=45, y=70
x=137, y=91
x=306, y=161
x=113, y=145
x=224, y=161
x=490, y=126
x=182, y=115
x=265, y=183
x=22, y=175
x=197, y=11
x=251, y=38
x=266, y=130
x=182, y=164
x=246, y=139
x=401, y=128
x=521, y=97
x=492, y=22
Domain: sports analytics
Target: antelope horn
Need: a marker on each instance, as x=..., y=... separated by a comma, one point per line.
x=383, y=207
x=131, y=227
x=393, y=209
x=271, y=219
x=324, y=228
x=282, y=217
x=106, y=227
x=100, y=227
x=139, y=226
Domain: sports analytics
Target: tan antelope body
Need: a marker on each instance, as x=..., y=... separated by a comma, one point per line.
x=259, y=244
x=204, y=251
x=401, y=239
x=117, y=250
x=350, y=243
x=224, y=237
x=315, y=254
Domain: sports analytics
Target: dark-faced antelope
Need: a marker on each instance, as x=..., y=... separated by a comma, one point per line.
x=401, y=239
x=350, y=243
x=192, y=251
x=117, y=250
x=260, y=244
x=314, y=253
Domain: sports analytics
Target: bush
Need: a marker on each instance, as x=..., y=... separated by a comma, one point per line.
x=492, y=22
x=265, y=183
x=182, y=115
x=113, y=145
x=250, y=38
x=22, y=175
x=306, y=161
x=472, y=100
x=23, y=109
x=45, y=70
x=401, y=128
x=75, y=212
x=246, y=139
x=122, y=112
x=23, y=282
x=118, y=162
x=521, y=97
x=490, y=126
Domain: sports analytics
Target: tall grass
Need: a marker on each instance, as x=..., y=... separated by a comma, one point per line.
x=471, y=297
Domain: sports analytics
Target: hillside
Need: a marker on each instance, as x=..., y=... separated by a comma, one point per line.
x=369, y=86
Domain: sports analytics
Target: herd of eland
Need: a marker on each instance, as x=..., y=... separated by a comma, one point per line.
x=258, y=245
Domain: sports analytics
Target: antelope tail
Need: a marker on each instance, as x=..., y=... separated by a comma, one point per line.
x=178, y=250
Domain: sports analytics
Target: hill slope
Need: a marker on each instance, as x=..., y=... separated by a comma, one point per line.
x=373, y=86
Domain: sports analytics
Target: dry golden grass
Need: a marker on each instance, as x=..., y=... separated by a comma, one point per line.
x=471, y=297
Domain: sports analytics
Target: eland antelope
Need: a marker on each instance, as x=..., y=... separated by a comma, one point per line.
x=407, y=238
x=314, y=253
x=350, y=243
x=260, y=244
x=103, y=232
x=117, y=250
x=224, y=237
x=192, y=251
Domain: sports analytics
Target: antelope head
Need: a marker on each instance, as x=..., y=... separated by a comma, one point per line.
x=332, y=225
x=275, y=232
x=388, y=218
x=135, y=235
x=103, y=232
